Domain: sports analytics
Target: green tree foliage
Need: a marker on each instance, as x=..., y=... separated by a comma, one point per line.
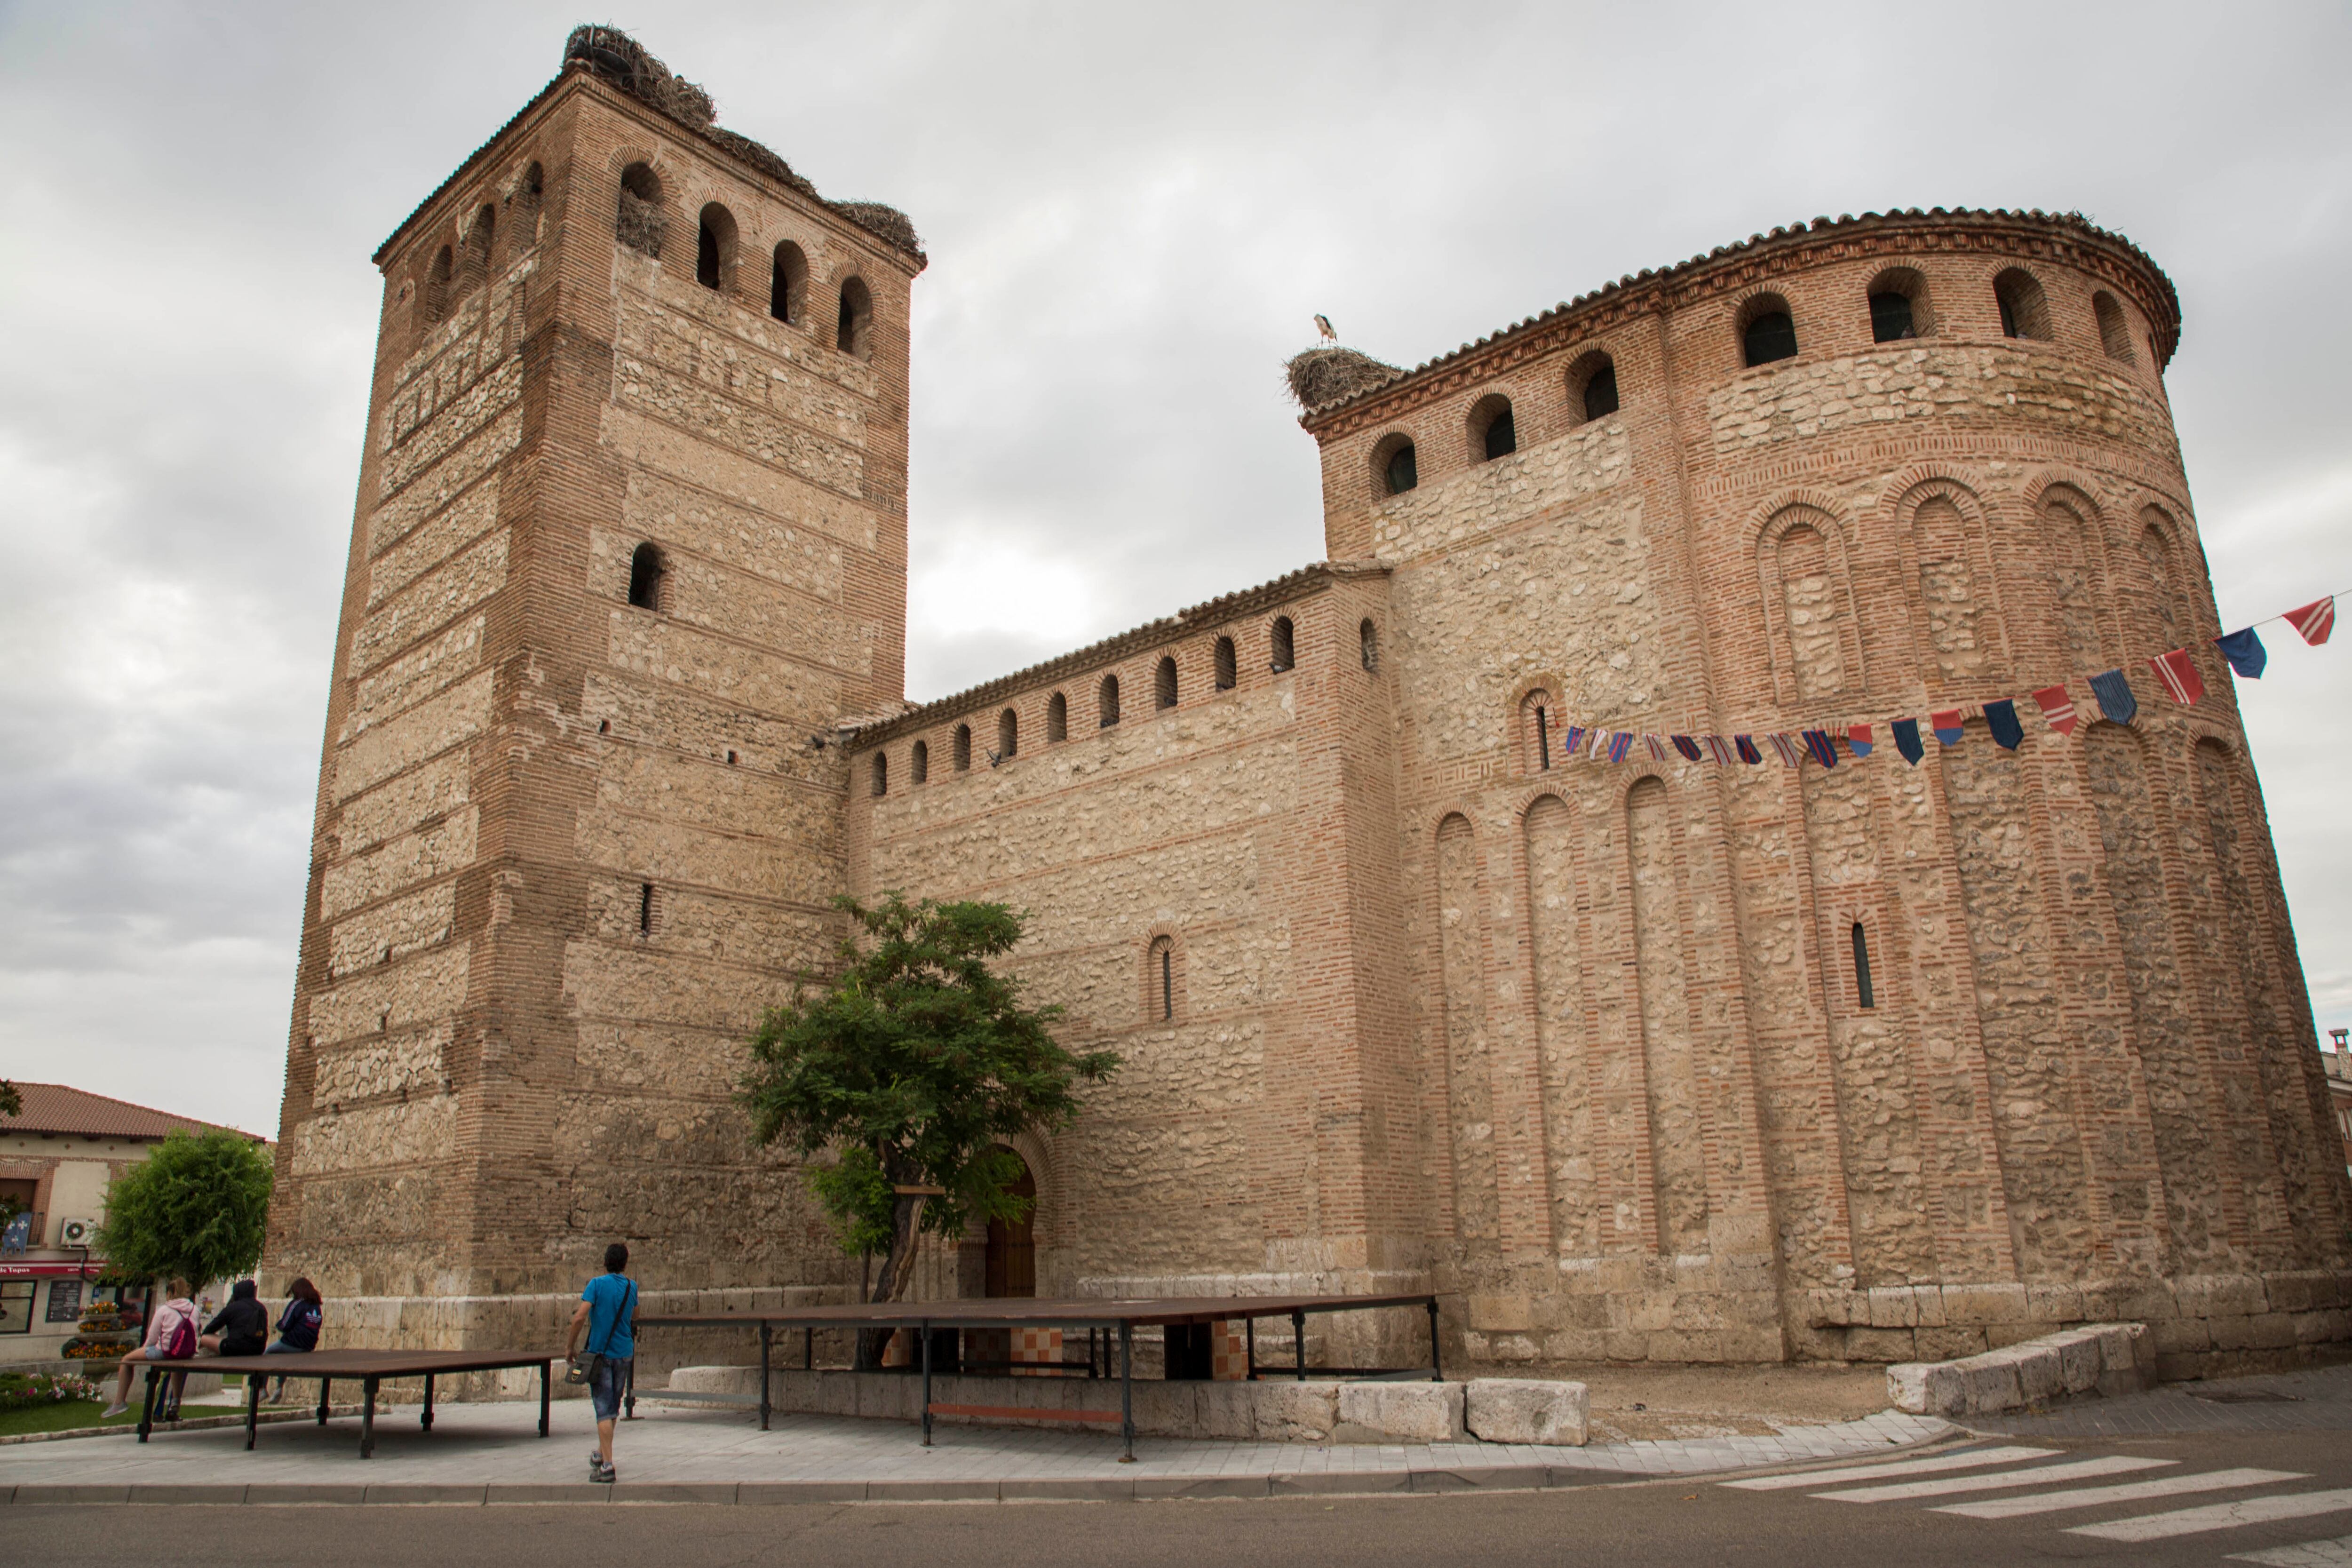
x=196, y=1208
x=914, y=1064
x=11, y=1102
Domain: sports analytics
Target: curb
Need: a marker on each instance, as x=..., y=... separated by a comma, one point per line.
x=193, y=1424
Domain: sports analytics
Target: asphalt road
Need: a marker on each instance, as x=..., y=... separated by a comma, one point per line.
x=1695, y=1523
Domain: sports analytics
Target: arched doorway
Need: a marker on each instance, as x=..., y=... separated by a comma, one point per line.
x=1012, y=1259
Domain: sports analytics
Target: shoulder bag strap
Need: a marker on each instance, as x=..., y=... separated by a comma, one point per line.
x=628, y=1305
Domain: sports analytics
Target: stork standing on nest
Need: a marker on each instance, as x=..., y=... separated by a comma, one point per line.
x=1323, y=325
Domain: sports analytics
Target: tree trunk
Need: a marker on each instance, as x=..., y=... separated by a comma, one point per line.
x=898, y=1272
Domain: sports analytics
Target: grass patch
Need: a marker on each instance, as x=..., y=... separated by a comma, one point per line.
x=62, y=1416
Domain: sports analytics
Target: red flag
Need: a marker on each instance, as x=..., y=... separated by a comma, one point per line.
x=2058, y=708
x=2179, y=675
x=2315, y=620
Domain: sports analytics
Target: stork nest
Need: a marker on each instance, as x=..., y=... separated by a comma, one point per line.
x=886, y=221
x=629, y=66
x=1321, y=377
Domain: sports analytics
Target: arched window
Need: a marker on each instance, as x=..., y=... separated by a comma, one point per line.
x=1163, y=684
x=437, y=281
x=1008, y=735
x=881, y=773
x=1393, y=465
x=714, y=247
x=1862, y=990
x=638, y=224
x=1159, y=975
x=1107, y=696
x=2156, y=550
x=1593, y=385
x=2114, y=332
x=919, y=764
x=646, y=912
x=646, y=573
x=1767, y=332
x=853, y=330
x=788, y=285
x=1898, y=305
x=1813, y=610
x=1057, y=718
x=480, y=235
x=1367, y=644
x=1492, y=433
x=2024, y=311
x=962, y=748
x=1280, y=646
x=530, y=189
x=1539, y=730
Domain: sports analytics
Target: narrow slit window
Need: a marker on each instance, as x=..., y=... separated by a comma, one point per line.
x=1162, y=978
x=644, y=909
x=1228, y=669
x=1008, y=735
x=1543, y=739
x=1057, y=718
x=1163, y=684
x=1280, y=645
x=1861, y=967
x=646, y=578
x=881, y=771
x=919, y=764
x=1367, y=640
x=1109, y=699
x=788, y=284
x=962, y=748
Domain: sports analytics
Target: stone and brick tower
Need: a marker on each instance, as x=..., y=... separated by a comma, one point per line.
x=631, y=535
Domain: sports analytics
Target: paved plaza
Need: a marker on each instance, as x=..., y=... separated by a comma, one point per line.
x=492, y=1452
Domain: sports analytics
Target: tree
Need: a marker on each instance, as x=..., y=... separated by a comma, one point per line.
x=11, y=1102
x=914, y=1063
x=196, y=1208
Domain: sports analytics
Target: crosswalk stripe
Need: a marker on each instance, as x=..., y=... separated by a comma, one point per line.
x=2130, y=1491
x=2220, y=1516
x=1976, y=1459
x=2336, y=1553
x=2032, y=1475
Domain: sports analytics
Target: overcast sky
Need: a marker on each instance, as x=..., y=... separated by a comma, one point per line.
x=1131, y=213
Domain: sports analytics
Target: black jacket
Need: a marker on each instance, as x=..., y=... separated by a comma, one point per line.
x=243, y=1319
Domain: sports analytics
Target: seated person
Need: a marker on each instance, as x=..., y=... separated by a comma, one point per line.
x=241, y=1328
x=171, y=1337
x=298, y=1326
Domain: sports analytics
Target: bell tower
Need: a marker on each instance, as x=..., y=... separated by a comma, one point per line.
x=630, y=539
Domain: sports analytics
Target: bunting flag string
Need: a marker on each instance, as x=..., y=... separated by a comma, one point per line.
x=2175, y=670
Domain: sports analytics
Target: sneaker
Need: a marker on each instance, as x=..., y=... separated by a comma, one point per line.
x=113, y=1410
x=603, y=1474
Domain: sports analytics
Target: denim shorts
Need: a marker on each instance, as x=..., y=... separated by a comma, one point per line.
x=606, y=1386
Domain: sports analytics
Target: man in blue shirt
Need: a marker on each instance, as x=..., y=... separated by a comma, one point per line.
x=608, y=1311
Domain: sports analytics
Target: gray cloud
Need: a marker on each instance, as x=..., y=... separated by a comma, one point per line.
x=1131, y=216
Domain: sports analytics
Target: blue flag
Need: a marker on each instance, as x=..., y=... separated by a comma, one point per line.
x=2001, y=718
x=2245, y=653
x=2115, y=695
x=1907, y=740
x=1817, y=742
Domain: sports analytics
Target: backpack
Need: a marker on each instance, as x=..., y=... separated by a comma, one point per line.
x=179, y=1341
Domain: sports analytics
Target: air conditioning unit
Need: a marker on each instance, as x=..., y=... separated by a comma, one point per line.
x=76, y=1232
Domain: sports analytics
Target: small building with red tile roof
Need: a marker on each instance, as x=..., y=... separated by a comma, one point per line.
x=57, y=1157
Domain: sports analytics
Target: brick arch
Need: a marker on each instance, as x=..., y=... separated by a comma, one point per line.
x=1808, y=509
x=1516, y=723
x=1149, y=996
x=2047, y=477
x=1976, y=543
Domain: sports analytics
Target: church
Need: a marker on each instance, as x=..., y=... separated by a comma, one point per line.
x=1714, y=1051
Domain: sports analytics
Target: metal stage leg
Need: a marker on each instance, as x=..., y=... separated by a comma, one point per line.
x=1298, y=1341
x=1127, y=1391
x=1249, y=1333
x=927, y=1385
x=367, y=1420
x=425, y=1420
x=1436, y=1372
x=767, y=1345
x=808, y=1350
x=147, y=1408
x=544, y=1369
x=253, y=1381
x=324, y=1383
x=629, y=1392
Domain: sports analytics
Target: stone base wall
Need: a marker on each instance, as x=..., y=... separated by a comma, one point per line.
x=2202, y=1325
x=1627, y=1309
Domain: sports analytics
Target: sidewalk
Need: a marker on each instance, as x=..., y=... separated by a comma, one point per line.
x=491, y=1453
